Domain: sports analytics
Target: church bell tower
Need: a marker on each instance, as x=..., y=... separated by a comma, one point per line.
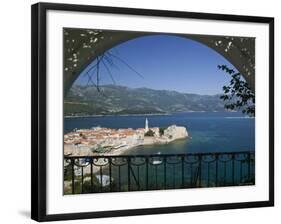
x=146, y=125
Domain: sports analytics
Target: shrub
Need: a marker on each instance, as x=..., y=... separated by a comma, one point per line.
x=149, y=133
x=161, y=131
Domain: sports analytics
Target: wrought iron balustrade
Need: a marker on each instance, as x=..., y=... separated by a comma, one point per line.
x=104, y=173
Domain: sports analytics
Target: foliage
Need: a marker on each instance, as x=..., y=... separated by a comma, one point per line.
x=149, y=133
x=161, y=131
x=98, y=149
x=238, y=94
x=82, y=135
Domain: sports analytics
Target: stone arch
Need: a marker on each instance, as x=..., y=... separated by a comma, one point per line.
x=82, y=46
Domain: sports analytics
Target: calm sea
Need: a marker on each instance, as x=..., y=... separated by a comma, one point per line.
x=209, y=131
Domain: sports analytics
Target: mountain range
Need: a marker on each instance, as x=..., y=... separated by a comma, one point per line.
x=114, y=99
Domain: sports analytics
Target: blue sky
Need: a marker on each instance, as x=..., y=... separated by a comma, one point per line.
x=165, y=62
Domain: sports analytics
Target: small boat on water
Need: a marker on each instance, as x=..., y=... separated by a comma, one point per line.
x=156, y=162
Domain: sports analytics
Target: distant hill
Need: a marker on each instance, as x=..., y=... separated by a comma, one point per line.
x=113, y=99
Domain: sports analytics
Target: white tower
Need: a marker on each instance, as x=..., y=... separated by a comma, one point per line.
x=146, y=125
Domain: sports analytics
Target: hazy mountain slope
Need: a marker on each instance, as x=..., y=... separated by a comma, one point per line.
x=82, y=100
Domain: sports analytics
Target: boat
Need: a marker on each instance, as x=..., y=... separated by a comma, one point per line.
x=156, y=162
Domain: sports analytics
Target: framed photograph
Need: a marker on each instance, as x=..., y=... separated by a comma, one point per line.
x=138, y=111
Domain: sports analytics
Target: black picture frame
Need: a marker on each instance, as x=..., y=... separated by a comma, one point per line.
x=39, y=107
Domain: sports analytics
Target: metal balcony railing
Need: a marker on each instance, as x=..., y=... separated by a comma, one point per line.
x=95, y=174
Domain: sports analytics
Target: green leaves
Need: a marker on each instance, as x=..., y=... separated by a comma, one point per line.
x=238, y=93
x=149, y=133
x=226, y=69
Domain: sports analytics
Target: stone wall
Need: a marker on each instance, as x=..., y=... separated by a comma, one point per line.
x=175, y=132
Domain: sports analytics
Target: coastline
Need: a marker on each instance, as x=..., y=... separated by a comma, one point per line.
x=113, y=115
x=122, y=150
x=151, y=114
x=125, y=149
x=166, y=143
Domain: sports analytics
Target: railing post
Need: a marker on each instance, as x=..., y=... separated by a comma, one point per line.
x=174, y=174
x=82, y=179
x=249, y=166
x=240, y=172
x=110, y=179
x=253, y=167
x=217, y=166
x=72, y=176
x=129, y=178
x=208, y=181
x=165, y=172
x=182, y=171
x=138, y=178
x=146, y=170
x=191, y=175
x=233, y=168
x=199, y=170
x=119, y=178
x=101, y=179
x=92, y=181
x=224, y=173
x=156, y=177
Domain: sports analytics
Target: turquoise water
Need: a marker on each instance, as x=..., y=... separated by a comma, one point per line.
x=209, y=131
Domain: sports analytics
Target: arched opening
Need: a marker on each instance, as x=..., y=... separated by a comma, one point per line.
x=84, y=46
x=179, y=64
